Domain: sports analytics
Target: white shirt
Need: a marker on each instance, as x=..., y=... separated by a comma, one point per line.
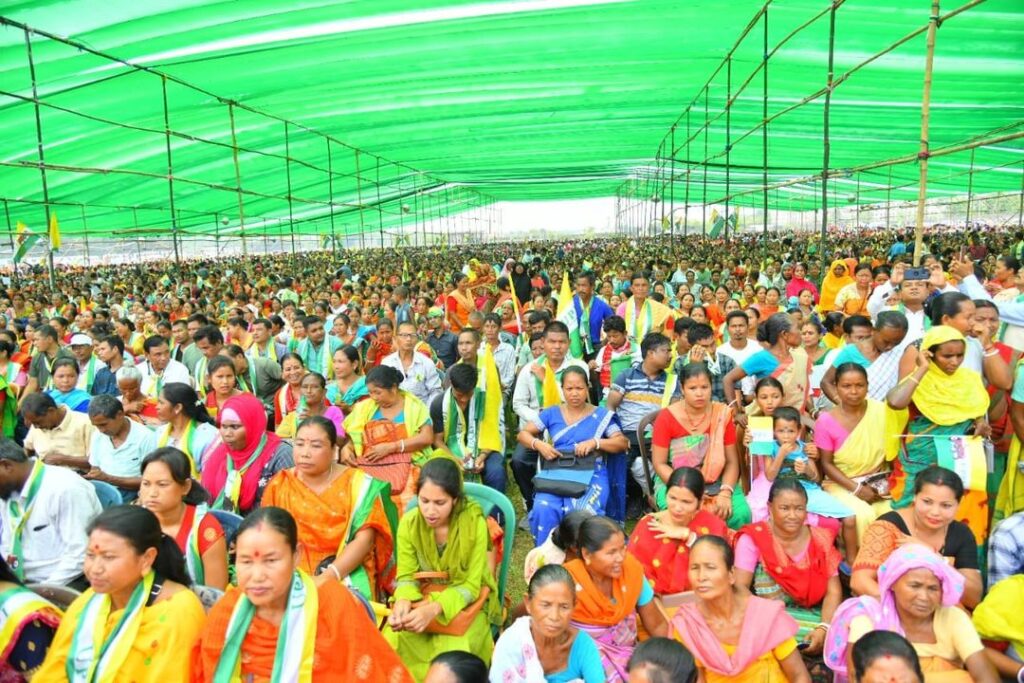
x=421, y=377
x=739, y=355
x=124, y=460
x=174, y=372
x=53, y=540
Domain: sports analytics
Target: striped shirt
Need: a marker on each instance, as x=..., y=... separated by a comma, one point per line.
x=640, y=394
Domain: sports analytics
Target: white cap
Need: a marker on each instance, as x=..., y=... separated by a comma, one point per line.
x=81, y=340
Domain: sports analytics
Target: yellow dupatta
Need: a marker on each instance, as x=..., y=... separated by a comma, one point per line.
x=873, y=441
x=949, y=399
x=998, y=615
x=831, y=285
x=415, y=414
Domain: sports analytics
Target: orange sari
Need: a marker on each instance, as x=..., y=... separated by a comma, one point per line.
x=324, y=523
x=346, y=641
x=459, y=306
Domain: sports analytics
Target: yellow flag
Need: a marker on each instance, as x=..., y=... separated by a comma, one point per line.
x=490, y=437
x=54, y=232
x=564, y=296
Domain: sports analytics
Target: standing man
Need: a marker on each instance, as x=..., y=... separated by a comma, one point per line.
x=528, y=401
x=183, y=349
x=159, y=368
x=43, y=518
x=421, y=376
x=644, y=388
x=739, y=347
x=591, y=312
x=209, y=341
x=641, y=313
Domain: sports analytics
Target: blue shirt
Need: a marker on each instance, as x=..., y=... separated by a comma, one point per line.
x=761, y=364
x=584, y=662
x=640, y=394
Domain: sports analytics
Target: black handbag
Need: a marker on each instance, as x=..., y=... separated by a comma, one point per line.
x=567, y=476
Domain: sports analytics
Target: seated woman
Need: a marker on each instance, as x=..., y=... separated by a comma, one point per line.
x=446, y=596
x=137, y=406
x=179, y=503
x=222, y=379
x=328, y=631
x=885, y=657
x=661, y=541
x=545, y=646
x=929, y=521
x=389, y=434
x=919, y=593
x=997, y=619
x=239, y=468
x=580, y=434
x=785, y=559
x=698, y=432
x=27, y=630
x=662, y=659
x=314, y=403
x=65, y=391
x=945, y=399
x=346, y=519
x=610, y=592
x=349, y=385
x=287, y=398
x=733, y=635
x=188, y=426
x=855, y=441
x=139, y=607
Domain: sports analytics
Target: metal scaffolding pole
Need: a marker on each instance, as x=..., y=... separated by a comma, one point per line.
x=672, y=190
x=85, y=234
x=970, y=192
x=359, y=198
x=39, y=148
x=238, y=180
x=288, y=181
x=689, y=171
x=825, y=136
x=330, y=198
x=10, y=230
x=764, y=126
x=170, y=172
x=728, y=137
x=922, y=155
x=380, y=209
x=704, y=172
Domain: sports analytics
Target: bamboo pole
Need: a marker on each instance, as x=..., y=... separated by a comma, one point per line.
x=926, y=100
x=238, y=180
x=825, y=137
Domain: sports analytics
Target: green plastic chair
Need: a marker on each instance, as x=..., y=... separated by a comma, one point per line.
x=488, y=499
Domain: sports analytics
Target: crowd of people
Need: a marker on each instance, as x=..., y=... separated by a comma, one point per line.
x=751, y=461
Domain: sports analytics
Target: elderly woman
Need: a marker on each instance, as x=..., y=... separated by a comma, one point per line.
x=238, y=469
x=733, y=635
x=389, y=434
x=785, y=559
x=137, y=406
x=918, y=597
x=545, y=646
x=930, y=521
x=572, y=473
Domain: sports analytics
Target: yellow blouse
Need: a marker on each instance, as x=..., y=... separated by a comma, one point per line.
x=162, y=650
x=765, y=669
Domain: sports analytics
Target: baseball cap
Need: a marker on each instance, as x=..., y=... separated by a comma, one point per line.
x=435, y=312
x=80, y=339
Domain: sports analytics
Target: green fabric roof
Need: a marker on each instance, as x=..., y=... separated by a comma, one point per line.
x=514, y=99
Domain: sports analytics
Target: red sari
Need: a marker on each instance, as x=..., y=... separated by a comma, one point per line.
x=667, y=564
x=807, y=582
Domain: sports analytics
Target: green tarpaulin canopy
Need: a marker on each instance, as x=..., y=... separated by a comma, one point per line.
x=456, y=104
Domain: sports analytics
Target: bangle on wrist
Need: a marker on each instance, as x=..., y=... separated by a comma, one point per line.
x=335, y=570
x=857, y=487
x=726, y=488
x=913, y=379
x=401, y=446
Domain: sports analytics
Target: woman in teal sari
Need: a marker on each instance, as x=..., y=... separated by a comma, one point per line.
x=446, y=597
x=946, y=400
x=349, y=385
x=64, y=391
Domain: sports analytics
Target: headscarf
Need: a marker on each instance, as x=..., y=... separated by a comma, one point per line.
x=882, y=612
x=521, y=283
x=248, y=410
x=949, y=399
x=831, y=285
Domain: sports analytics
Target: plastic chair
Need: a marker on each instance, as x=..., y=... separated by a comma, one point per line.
x=60, y=596
x=645, y=455
x=230, y=522
x=488, y=499
x=107, y=493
